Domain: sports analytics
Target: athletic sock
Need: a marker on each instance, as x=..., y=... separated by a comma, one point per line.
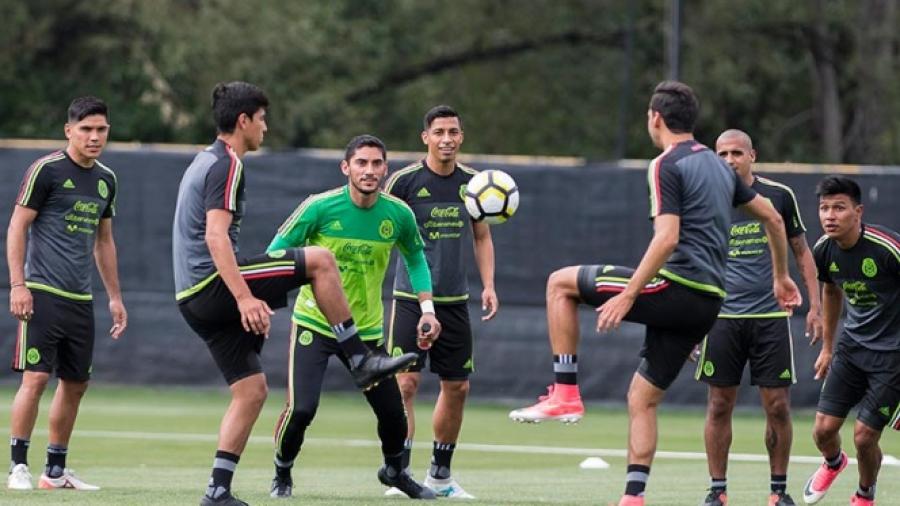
x=283, y=468
x=866, y=492
x=223, y=470
x=407, y=453
x=834, y=463
x=393, y=464
x=441, y=455
x=349, y=342
x=778, y=483
x=565, y=368
x=718, y=485
x=56, y=460
x=18, y=449
x=636, y=479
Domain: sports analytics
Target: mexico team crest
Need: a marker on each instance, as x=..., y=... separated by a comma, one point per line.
x=869, y=268
x=102, y=189
x=462, y=191
x=386, y=230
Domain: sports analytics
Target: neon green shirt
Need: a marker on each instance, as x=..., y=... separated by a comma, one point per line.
x=361, y=240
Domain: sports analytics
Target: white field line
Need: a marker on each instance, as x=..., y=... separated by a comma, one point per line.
x=888, y=460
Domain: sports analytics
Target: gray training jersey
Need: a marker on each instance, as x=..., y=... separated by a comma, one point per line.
x=70, y=201
x=691, y=181
x=445, y=226
x=749, y=277
x=214, y=180
x=869, y=275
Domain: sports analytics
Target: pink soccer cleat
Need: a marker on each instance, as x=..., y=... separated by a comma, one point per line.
x=562, y=402
x=819, y=483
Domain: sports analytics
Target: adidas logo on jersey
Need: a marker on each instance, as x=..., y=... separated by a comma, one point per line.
x=336, y=225
x=423, y=193
x=833, y=267
x=69, y=184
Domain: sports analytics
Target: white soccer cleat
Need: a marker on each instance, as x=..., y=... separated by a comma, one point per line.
x=19, y=478
x=446, y=488
x=394, y=492
x=68, y=480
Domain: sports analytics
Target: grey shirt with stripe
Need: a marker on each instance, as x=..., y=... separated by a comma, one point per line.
x=748, y=280
x=213, y=180
x=691, y=181
x=868, y=273
x=70, y=201
x=445, y=226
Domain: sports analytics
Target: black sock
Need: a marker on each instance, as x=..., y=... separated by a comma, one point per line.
x=866, y=492
x=394, y=464
x=349, y=342
x=407, y=453
x=565, y=368
x=636, y=479
x=834, y=463
x=223, y=470
x=441, y=455
x=18, y=449
x=718, y=485
x=779, y=483
x=283, y=468
x=56, y=460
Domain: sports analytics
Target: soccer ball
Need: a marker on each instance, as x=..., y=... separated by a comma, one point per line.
x=492, y=197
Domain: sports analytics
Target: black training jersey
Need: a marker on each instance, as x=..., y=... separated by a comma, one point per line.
x=748, y=280
x=70, y=201
x=214, y=180
x=869, y=275
x=691, y=181
x=444, y=224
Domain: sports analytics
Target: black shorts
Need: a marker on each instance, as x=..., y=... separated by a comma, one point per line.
x=677, y=317
x=60, y=336
x=865, y=377
x=451, y=355
x=213, y=313
x=766, y=343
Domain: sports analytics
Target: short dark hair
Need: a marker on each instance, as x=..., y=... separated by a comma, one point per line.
x=230, y=100
x=440, y=111
x=839, y=185
x=362, y=141
x=678, y=105
x=82, y=107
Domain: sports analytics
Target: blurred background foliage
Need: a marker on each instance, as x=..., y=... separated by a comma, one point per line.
x=810, y=80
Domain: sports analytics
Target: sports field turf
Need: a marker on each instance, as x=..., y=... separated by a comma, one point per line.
x=155, y=446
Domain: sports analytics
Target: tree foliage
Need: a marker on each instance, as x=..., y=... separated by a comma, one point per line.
x=811, y=80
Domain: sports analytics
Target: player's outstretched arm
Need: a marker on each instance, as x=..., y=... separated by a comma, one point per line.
x=255, y=313
x=484, y=258
x=786, y=291
x=108, y=266
x=20, y=301
x=832, y=298
x=807, y=267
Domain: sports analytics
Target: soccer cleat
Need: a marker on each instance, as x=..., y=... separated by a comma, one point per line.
x=556, y=405
x=66, y=480
x=405, y=483
x=225, y=499
x=631, y=500
x=781, y=499
x=448, y=488
x=377, y=366
x=820, y=481
x=718, y=498
x=19, y=478
x=856, y=500
x=281, y=487
x=394, y=492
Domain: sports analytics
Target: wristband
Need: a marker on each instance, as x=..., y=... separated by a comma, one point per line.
x=427, y=306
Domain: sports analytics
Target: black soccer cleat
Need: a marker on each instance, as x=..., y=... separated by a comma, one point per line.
x=405, y=483
x=225, y=499
x=281, y=487
x=377, y=366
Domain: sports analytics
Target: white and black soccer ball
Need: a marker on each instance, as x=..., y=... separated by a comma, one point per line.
x=492, y=197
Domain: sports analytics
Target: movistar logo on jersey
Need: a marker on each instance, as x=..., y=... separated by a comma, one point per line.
x=885, y=410
x=869, y=268
x=336, y=225
x=69, y=184
x=833, y=267
x=423, y=193
x=785, y=375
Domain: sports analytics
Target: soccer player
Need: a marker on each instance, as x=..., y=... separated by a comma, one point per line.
x=227, y=301
x=859, y=264
x=677, y=288
x=752, y=328
x=433, y=188
x=361, y=225
x=66, y=201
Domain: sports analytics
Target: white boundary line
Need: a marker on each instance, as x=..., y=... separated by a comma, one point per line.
x=887, y=460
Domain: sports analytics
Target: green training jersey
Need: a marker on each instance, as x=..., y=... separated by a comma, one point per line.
x=361, y=240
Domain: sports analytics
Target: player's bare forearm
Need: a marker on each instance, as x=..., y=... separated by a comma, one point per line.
x=220, y=249
x=774, y=225
x=107, y=260
x=665, y=239
x=807, y=267
x=832, y=298
x=484, y=253
x=16, y=238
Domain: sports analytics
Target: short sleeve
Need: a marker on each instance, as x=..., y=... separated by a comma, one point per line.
x=112, y=186
x=742, y=192
x=820, y=255
x=395, y=186
x=665, y=186
x=37, y=184
x=790, y=213
x=224, y=184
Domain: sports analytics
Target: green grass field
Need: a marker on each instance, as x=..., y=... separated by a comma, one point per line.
x=154, y=446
